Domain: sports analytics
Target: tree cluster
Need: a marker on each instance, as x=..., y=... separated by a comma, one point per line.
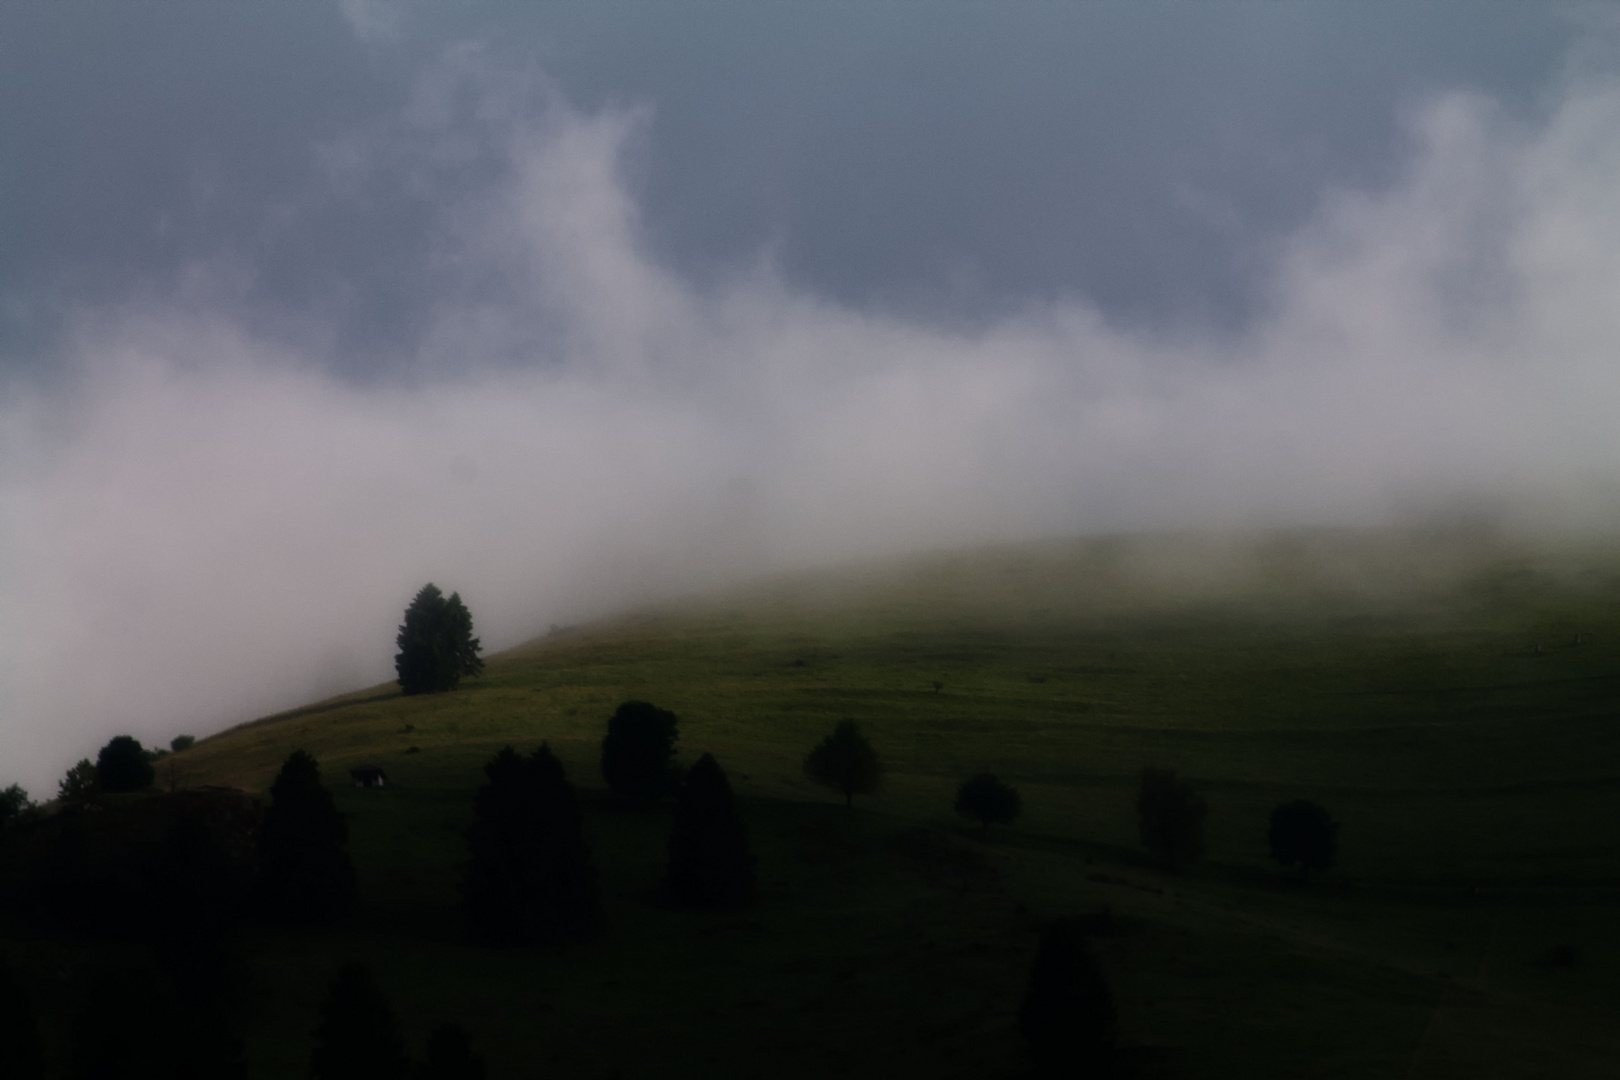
x=436, y=643
x=530, y=877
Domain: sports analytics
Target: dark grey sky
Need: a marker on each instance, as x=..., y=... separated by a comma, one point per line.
x=955, y=159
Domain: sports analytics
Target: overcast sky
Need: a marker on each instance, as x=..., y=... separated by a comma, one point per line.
x=567, y=305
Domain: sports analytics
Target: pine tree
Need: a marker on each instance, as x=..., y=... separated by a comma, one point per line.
x=357, y=1036
x=436, y=643
x=846, y=761
x=1067, y=1015
x=1171, y=817
x=637, y=749
x=988, y=799
x=709, y=863
x=530, y=877
x=306, y=875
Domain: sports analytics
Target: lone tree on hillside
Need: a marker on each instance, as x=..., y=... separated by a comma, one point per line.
x=846, y=761
x=123, y=765
x=436, y=643
x=1171, y=817
x=303, y=848
x=358, y=1035
x=1067, y=1014
x=637, y=749
x=1303, y=834
x=988, y=799
x=709, y=863
x=530, y=878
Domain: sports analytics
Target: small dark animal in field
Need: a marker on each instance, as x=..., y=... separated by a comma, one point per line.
x=368, y=776
x=1303, y=834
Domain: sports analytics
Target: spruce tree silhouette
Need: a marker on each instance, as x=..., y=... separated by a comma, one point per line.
x=988, y=799
x=846, y=761
x=1303, y=834
x=709, y=863
x=637, y=749
x=530, y=877
x=1170, y=815
x=436, y=643
x=306, y=875
x=357, y=1036
x=450, y=1056
x=22, y=1051
x=1067, y=1015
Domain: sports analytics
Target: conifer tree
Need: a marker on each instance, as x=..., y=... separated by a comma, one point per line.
x=436, y=643
x=450, y=1056
x=1067, y=1015
x=358, y=1035
x=709, y=863
x=845, y=761
x=306, y=875
x=637, y=750
x=1171, y=817
x=530, y=876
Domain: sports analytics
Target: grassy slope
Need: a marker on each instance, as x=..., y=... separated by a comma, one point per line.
x=1430, y=693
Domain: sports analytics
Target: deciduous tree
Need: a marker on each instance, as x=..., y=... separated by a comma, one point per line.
x=845, y=761
x=638, y=750
x=988, y=800
x=123, y=765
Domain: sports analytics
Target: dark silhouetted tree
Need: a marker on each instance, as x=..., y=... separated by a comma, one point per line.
x=709, y=863
x=22, y=1051
x=15, y=805
x=123, y=765
x=1303, y=834
x=638, y=750
x=182, y=742
x=436, y=643
x=530, y=877
x=357, y=1036
x=113, y=1032
x=306, y=875
x=79, y=783
x=1170, y=815
x=450, y=1056
x=988, y=800
x=845, y=761
x=1067, y=1015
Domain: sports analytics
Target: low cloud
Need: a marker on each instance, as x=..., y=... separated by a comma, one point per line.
x=202, y=523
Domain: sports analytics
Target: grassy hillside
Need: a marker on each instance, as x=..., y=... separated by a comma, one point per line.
x=1453, y=700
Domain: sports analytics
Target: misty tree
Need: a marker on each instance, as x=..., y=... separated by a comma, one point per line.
x=306, y=875
x=15, y=805
x=182, y=742
x=357, y=1035
x=436, y=643
x=450, y=1056
x=79, y=783
x=846, y=762
x=988, y=800
x=638, y=749
x=530, y=877
x=1303, y=834
x=1170, y=816
x=1067, y=1015
x=709, y=863
x=123, y=765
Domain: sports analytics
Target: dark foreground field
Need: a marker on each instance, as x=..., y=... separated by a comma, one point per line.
x=1453, y=700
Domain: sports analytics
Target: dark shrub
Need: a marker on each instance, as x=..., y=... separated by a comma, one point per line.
x=182, y=742
x=358, y=1036
x=306, y=875
x=638, y=749
x=530, y=876
x=123, y=765
x=709, y=863
x=846, y=762
x=988, y=800
x=1303, y=834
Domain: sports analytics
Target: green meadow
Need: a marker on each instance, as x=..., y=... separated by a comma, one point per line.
x=1452, y=698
